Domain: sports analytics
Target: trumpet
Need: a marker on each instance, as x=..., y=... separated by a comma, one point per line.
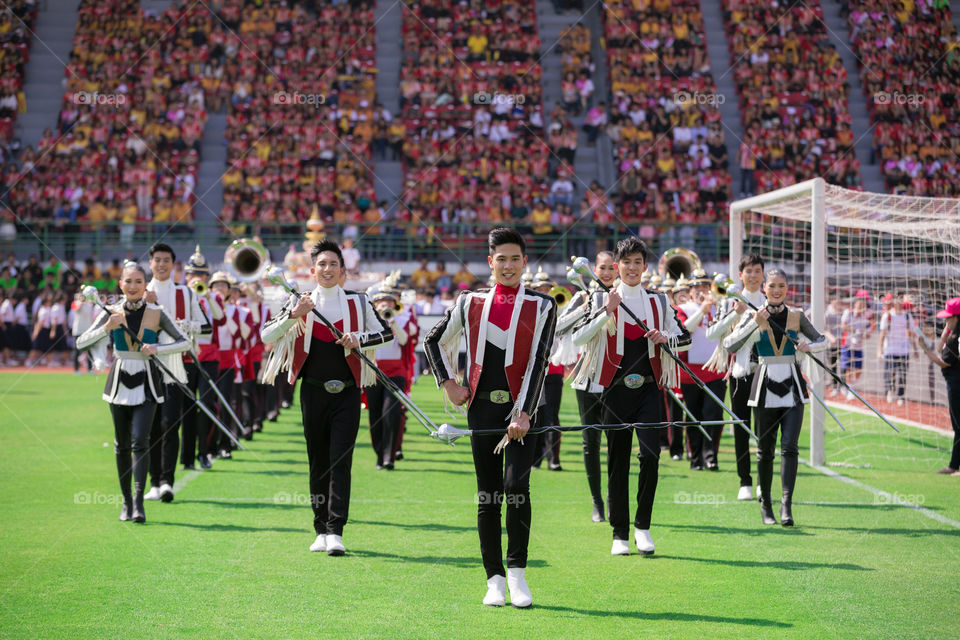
x=560, y=294
x=724, y=287
x=199, y=287
x=390, y=313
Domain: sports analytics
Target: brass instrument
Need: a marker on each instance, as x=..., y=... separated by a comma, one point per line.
x=560, y=294
x=678, y=261
x=199, y=287
x=390, y=313
x=247, y=259
x=724, y=287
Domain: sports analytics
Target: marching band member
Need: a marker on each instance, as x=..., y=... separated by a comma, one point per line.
x=509, y=331
x=180, y=304
x=412, y=327
x=332, y=377
x=385, y=411
x=255, y=389
x=230, y=334
x=199, y=434
x=588, y=391
x=678, y=441
x=741, y=365
x=134, y=384
x=549, y=411
x=251, y=357
x=696, y=315
x=779, y=390
x=631, y=368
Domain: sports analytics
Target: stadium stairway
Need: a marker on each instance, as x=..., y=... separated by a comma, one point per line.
x=871, y=175
x=727, y=103
x=213, y=164
x=388, y=18
x=590, y=163
x=44, y=82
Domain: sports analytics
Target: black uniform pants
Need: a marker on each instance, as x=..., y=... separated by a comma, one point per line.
x=787, y=422
x=131, y=429
x=386, y=413
x=632, y=405
x=501, y=478
x=591, y=412
x=739, y=395
x=165, y=436
x=548, y=415
x=196, y=424
x=330, y=425
x=703, y=452
x=675, y=411
x=225, y=383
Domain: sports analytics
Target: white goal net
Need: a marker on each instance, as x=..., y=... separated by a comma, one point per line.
x=873, y=270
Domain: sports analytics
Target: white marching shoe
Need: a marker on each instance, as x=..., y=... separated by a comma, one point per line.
x=745, y=493
x=644, y=541
x=335, y=545
x=153, y=494
x=320, y=544
x=496, y=592
x=166, y=492
x=520, y=597
x=620, y=548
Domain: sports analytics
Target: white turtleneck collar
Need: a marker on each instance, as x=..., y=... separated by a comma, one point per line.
x=755, y=297
x=162, y=283
x=627, y=291
x=328, y=292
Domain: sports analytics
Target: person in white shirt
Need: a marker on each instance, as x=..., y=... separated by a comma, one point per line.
x=897, y=330
x=857, y=325
x=741, y=364
x=181, y=305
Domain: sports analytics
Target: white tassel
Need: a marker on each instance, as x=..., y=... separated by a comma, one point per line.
x=719, y=360
x=281, y=357
x=367, y=376
x=669, y=371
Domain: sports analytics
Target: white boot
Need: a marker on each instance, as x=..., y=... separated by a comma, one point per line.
x=620, y=548
x=320, y=544
x=520, y=597
x=745, y=493
x=335, y=545
x=644, y=541
x=153, y=494
x=496, y=592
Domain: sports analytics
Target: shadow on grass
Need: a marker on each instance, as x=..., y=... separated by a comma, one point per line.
x=227, y=527
x=246, y=504
x=466, y=562
x=760, y=530
x=425, y=526
x=419, y=469
x=672, y=616
x=912, y=533
x=280, y=461
x=789, y=565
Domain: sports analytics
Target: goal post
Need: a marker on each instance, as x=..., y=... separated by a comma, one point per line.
x=836, y=243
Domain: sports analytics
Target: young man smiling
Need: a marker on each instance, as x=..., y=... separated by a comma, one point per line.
x=741, y=364
x=628, y=362
x=509, y=331
x=332, y=375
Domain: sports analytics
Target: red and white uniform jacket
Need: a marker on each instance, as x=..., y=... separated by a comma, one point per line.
x=696, y=321
x=208, y=345
x=349, y=311
x=526, y=342
x=603, y=336
x=182, y=306
x=231, y=334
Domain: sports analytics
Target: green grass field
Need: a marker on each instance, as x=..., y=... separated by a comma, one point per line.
x=229, y=557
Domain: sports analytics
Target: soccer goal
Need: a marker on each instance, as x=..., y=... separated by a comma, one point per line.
x=845, y=249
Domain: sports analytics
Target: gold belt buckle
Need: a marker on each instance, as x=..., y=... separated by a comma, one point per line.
x=499, y=396
x=633, y=381
x=334, y=386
